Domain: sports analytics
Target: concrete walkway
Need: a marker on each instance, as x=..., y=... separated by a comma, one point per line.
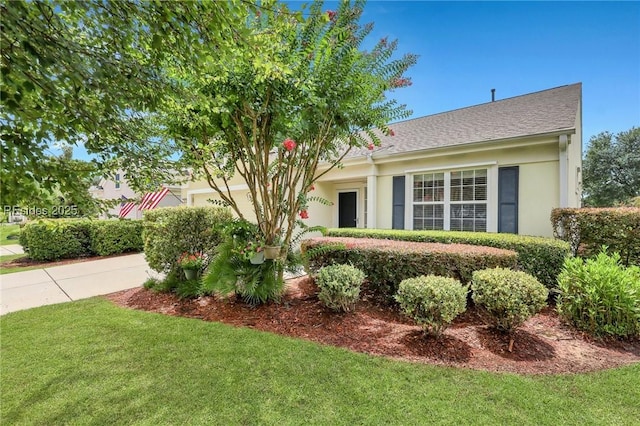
x=58, y=284
x=10, y=249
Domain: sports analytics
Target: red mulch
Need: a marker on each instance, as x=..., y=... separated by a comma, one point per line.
x=543, y=345
x=27, y=262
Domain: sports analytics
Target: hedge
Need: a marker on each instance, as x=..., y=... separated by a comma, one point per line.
x=54, y=239
x=172, y=231
x=386, y=263
x=588, y=229
x=115, y=236
x=541, y=257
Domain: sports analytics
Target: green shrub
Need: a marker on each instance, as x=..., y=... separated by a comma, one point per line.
x=600, y=296
x=151, y=283
x=386, y=263
x=538, y=256
x=56, y=239
x=172, y=231
x=509, y=297
x=188, y=289
x=232, y=271
x=339, y=286
x=22, y=238
x=432, y=301
x=587, y=230
x=115, y=236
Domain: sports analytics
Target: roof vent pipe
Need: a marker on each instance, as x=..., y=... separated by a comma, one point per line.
x=493, y=95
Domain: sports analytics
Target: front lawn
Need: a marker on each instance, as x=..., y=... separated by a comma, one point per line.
x=8, y=260
x=9, y=234
x=92, y=362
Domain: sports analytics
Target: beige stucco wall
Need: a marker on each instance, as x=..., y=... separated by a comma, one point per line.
x=538, y=169
x=241, y=197
x=537, y=158
x=539, y=193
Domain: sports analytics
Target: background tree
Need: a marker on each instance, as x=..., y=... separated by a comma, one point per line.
x=89, y=73
x=611, y=167
x=299, y=94
x=50, y=199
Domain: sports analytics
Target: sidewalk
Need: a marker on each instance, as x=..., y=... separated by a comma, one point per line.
x=10, y=249
x=24, y=290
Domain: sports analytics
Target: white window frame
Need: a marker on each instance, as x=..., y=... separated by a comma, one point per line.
x=430, y=203
x=491, y=201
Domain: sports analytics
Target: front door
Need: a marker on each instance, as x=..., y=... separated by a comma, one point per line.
x=347, y=209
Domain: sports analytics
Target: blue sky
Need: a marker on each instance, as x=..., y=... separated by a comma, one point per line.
x=468, y=48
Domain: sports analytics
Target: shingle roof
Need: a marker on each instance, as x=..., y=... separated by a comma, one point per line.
x=532, y=114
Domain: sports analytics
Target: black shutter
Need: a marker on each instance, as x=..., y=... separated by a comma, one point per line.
x=508, y=199
x=397, y=218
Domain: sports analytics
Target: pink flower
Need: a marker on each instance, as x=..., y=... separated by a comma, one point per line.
x=331, y=14
x=304, y=214
x=289, y=144
x=391, y=132
x=371, y=146
x=312, y=188
x=400, y=82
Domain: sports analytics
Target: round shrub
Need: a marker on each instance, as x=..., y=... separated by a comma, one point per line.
x=432, y=301
x=171, y=231
x=340, y=286
x=600, y=296
x=509, y=297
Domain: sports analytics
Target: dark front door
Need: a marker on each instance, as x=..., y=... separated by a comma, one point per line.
x=347, y=209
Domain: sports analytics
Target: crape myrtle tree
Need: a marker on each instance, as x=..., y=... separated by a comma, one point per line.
x=299, y=93
x=612, y=169
x=90, y=73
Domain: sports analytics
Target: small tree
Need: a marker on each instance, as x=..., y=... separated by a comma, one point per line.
x=299, y=93
x=612, y=169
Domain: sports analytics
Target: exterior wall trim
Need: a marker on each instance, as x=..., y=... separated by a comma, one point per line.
x=455, y=166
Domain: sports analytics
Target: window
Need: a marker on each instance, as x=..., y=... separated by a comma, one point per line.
x=469, y=200
x=117, y=180
x=428, y=201
x=455, y=200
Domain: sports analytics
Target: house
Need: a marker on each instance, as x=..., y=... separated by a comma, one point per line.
x=129, y=207
x=496, y=167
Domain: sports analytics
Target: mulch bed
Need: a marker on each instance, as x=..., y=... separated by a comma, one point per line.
x=27, y=262
x=544, y=345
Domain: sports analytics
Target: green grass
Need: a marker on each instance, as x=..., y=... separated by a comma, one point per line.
x=9, y=270
x=90, y=362
x=9, y=234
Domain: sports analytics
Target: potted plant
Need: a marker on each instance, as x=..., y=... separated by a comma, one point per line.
x=191, y=264
x=272, y=252
x=253, y=251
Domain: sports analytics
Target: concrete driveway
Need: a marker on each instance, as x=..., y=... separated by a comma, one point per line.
x=58, y=284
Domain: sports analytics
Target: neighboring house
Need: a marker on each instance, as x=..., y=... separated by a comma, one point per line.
x=497, y=167
x=132, y=204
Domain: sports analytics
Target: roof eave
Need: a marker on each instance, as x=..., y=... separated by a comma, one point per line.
x=479, y=145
